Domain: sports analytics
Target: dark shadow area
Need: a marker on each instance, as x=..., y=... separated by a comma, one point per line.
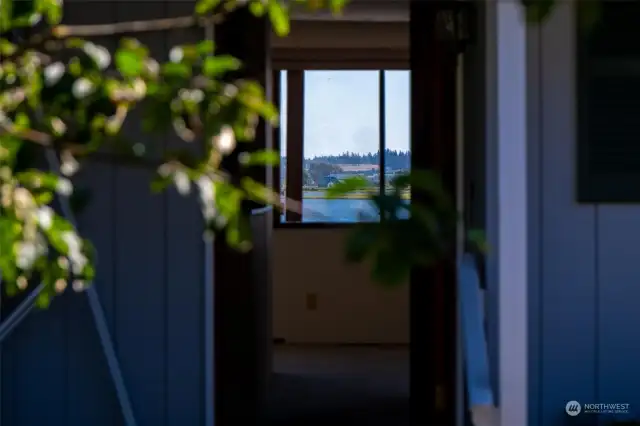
x=339, y=385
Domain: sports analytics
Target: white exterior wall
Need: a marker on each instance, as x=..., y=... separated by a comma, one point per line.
x=507, y=205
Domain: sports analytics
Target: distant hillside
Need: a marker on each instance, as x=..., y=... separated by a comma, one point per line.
x=393, y=159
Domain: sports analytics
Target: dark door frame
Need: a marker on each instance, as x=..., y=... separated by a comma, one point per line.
x=433, y=314
x=239, y=397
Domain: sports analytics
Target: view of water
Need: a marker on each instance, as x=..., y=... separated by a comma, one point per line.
x=344, y=210
x=338, y=210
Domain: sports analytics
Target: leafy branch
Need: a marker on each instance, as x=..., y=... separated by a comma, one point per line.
x=61, y=92
x=419, y=233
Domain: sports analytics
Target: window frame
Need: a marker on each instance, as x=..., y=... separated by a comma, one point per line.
x=592, y=187
x=297, y=61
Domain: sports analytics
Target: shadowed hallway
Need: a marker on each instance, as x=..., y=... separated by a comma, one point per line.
x=330, y=385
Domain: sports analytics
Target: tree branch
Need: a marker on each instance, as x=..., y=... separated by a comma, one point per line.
x=164, y=24
x=40, y=138
x=46, y=141
x=59, y=32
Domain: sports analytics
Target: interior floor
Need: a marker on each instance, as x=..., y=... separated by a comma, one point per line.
x=340, y=385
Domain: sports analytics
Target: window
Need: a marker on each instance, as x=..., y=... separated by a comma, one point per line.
x=335, y=124
x=609, y=107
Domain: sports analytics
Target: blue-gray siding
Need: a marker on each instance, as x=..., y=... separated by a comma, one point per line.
x=151, y=284
x=584, y=275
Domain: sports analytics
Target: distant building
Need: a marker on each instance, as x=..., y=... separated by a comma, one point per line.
x=358, y=168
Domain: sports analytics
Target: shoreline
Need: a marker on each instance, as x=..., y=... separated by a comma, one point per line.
x=321, y=195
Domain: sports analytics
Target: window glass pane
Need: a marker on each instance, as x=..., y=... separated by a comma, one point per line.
x=341, y=139
x=397, y=156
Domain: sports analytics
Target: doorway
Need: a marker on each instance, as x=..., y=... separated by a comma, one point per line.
x=432, y=315
x=341, y=355
x=434, y=373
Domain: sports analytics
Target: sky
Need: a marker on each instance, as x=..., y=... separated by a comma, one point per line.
x=341, y=112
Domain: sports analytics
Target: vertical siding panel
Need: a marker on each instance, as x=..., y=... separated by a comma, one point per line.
x=568, y=323
x=39, y=374
x=92, y=397
x=619, y=276
x=91, y=393
x=7, y=380
x=184, y=254
x=535, y=223
x=140, y=263
x=34, y=379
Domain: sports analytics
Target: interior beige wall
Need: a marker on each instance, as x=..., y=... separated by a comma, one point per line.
x=350, y=307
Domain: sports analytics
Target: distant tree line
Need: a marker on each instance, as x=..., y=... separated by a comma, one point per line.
x=393, y=158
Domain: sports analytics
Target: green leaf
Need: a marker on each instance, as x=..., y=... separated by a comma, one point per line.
x=7, y=48
x=89, y=271
x=206, y=6
x=258, y=192
x=176, y=70
x=336, y=6
x=478, y=240
x=56, y=231
x=205, y=47
x=43, y=198
x=257, y=8
x=6, y=15
x=261, y=158
x=10, y=287
x=51, y=9
x=239, y=233
x=430, y=183
x=538, y=10
x=160, y=183
x=361, y=242
x=228, y=199
x=36, y=179
x=388, y=204
x=43, y=300
x=348, y=185
x=401, y=182
x=390, y=268
x=12, y=146
x=279, y=17
x=426, y=217
x=129, y=63
x=214, y=66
